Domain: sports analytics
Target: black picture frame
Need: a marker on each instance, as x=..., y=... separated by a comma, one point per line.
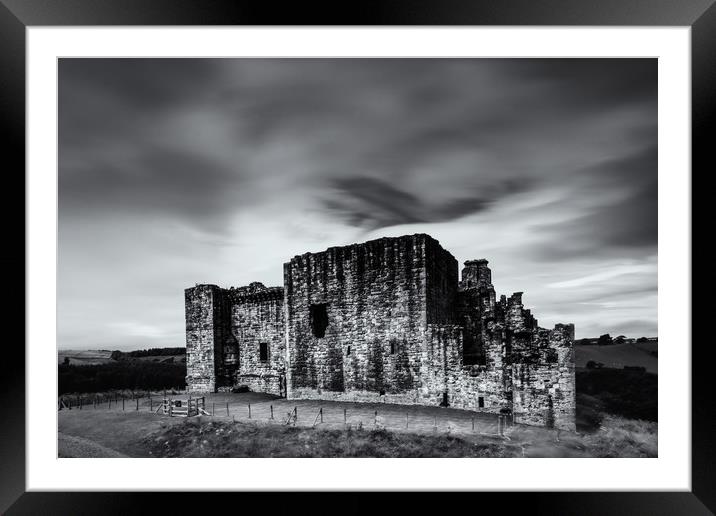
x=17, y=15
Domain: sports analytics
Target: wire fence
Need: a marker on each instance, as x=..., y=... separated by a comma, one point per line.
x=311, y=413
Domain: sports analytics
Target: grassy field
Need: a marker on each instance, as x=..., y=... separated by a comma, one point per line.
x=433, y=432
x=89, y=371
x=616, y=417
x=84, y=357
x=618, y=355
x=103, y=356
x=227, y=439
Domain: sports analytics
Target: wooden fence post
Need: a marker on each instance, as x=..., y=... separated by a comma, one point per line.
x=473, y=423
x=249, y=410
x=213, y=408
x=345, y=416
x=227, y=409
x=137, y=404
x=271, y=412
x=406, y=420
x=321, y=412
x=122, y=404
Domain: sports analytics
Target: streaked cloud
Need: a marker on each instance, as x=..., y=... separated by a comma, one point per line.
x=181, y=171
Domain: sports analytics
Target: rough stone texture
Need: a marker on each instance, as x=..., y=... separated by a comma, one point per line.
x=386, y=320
x=225, y=329
x=257, y=318
x=204, y=308
x=376, y=297
x=544, y=382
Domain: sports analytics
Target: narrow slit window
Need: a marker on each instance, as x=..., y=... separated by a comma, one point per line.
x=263, y=351
x=481, y=402
x=392, y=347
x=348, y=351
x=319, y=319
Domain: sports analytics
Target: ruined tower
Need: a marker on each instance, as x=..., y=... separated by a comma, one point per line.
x=383, y=320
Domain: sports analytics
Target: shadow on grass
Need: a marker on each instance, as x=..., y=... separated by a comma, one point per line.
x=625, y=393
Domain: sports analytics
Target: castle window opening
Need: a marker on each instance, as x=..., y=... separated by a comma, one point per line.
x=348, y=351
x=481, y=402
x=551, y=356
x=319, y=319
x=392, y=347
x=263, y=351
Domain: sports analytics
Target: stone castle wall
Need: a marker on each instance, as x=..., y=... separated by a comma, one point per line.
x=385, y=320
x=544, y=382
x=257, y=323
x=377, y=297
x=204, y=308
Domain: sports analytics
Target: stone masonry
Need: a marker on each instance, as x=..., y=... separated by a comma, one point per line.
x=385, y=320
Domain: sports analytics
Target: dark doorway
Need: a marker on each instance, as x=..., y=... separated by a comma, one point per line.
x=444, y=402
x=319, y=319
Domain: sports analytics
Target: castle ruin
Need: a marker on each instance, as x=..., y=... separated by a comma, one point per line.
x=385, y=320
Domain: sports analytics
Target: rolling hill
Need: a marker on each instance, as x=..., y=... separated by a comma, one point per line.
x=85, y=356
x=619, y=355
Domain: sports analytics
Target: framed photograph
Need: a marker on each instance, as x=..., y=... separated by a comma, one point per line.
x=383, y=252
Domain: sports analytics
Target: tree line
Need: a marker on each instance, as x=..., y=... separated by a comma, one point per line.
x=151, y=352
x=120, y=375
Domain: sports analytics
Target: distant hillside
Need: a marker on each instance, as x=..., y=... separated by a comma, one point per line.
x=103, y=356
x=614, y=356
x=102, y=370
x=619, y=355
x=85, y=356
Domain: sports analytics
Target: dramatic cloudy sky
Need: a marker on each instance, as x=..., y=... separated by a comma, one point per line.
x=176, y=172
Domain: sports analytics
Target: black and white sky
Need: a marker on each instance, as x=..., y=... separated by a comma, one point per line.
x=174, y=172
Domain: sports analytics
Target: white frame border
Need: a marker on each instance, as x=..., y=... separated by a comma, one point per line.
x=670, y=471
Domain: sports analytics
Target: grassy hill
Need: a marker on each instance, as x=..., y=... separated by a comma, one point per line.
x=85, y=356
x=92, y=371
x=104, y=356
x=619, y=355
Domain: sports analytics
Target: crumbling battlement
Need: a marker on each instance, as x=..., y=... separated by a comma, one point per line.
x=386, y=320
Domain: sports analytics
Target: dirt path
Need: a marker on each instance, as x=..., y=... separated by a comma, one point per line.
x=72, y=446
